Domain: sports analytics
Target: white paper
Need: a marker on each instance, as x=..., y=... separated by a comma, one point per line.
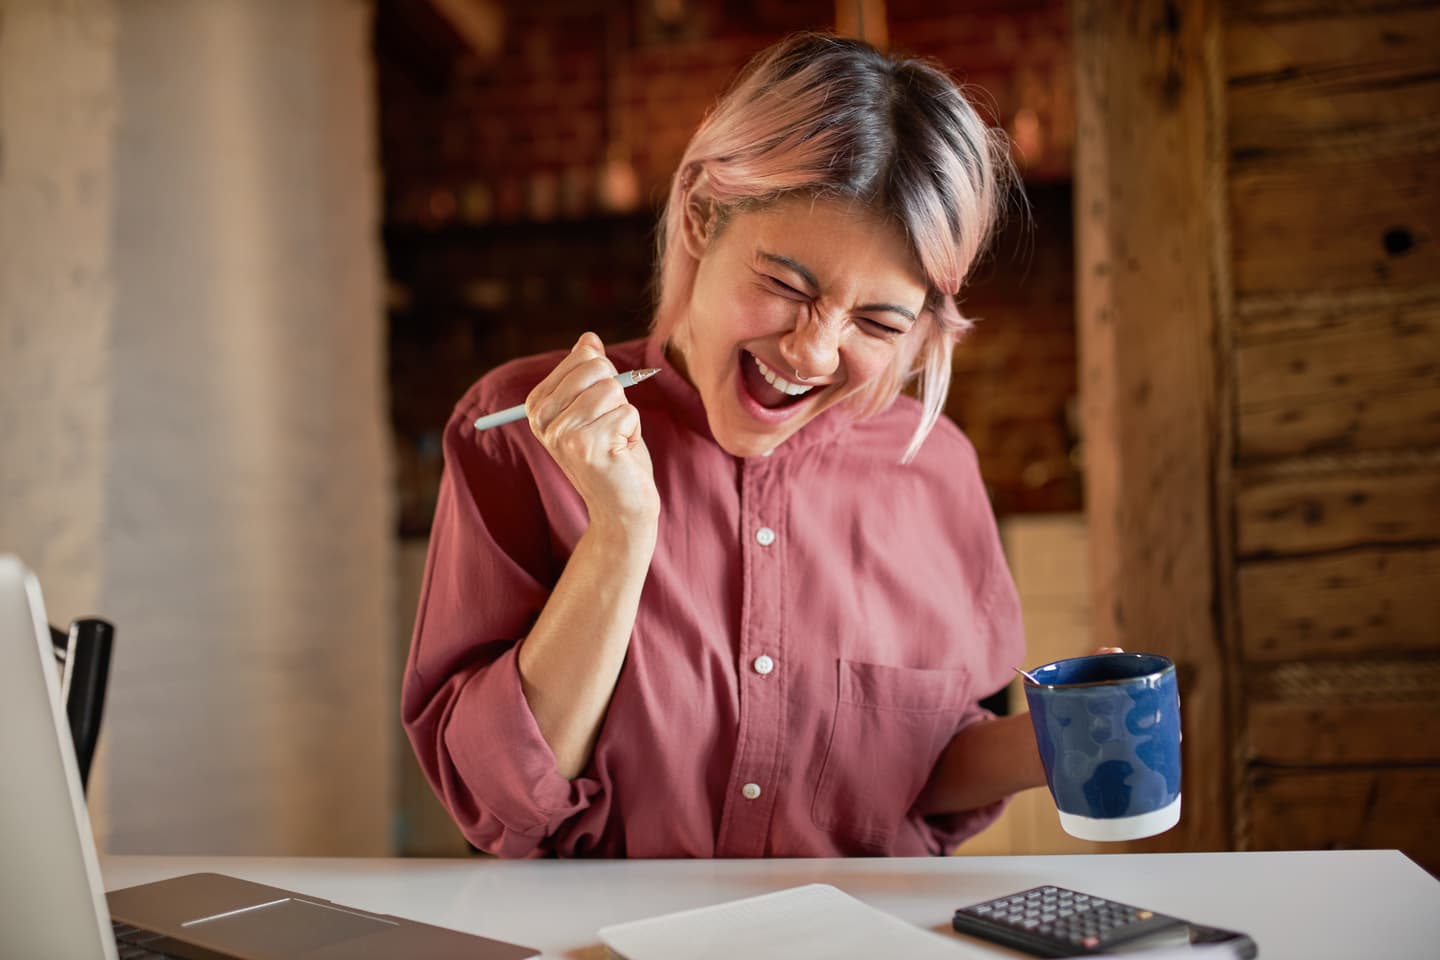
x=816, y=920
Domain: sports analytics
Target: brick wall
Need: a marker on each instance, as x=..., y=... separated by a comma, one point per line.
x=525, y=133
x=521, y=185
x=1015, y=382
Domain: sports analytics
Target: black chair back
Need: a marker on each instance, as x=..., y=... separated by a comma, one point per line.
x=84, y=657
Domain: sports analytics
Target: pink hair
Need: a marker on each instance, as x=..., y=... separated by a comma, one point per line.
x=835, y=118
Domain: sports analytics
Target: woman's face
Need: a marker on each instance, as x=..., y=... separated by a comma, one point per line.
x=822, y=290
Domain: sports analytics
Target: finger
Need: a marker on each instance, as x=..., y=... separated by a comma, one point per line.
x=545, y=410
x=614, y=432
x=588, y=347
x=591, y=403
x=582, y=378
x=622, y=426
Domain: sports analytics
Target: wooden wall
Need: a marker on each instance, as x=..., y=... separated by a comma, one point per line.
x=1332, y=128
x=1312, y=175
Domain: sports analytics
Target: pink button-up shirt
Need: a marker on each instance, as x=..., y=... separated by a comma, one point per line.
x=815, y=627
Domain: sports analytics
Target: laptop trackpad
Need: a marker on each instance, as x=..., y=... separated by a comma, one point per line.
x=284, y=927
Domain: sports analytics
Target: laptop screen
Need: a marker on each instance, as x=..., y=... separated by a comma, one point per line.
x=52, y=901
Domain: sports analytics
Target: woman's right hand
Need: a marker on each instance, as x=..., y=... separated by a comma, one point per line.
x=580, y=413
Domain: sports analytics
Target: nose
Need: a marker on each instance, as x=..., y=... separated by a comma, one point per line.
x=813, y=347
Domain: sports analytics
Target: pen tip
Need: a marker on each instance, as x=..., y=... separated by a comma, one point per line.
x=646, y=374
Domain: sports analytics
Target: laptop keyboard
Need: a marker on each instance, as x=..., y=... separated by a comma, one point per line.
x=133, y=943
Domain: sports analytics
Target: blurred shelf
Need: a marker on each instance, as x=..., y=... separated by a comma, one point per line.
x=583, y=230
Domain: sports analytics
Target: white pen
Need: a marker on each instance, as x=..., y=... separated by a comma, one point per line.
x=627, y=379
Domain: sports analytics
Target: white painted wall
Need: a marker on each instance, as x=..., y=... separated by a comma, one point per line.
x=236, y=494
x=58, y=110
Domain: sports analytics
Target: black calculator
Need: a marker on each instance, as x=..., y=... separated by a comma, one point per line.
x=1056, y=922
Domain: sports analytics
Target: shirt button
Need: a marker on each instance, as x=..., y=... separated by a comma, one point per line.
x=751, y=791
x=764, y=536
x=763, y=664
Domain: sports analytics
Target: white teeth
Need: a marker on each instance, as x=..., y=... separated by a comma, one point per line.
x=779, y=382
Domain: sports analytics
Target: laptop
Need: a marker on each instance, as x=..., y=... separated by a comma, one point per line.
x=52, y=903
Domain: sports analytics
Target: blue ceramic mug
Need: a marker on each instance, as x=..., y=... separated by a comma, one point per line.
x=1108, y=728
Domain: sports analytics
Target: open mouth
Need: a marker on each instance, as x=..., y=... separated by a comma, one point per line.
x=768, y=387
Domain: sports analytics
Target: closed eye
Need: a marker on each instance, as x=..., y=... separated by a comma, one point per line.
x=785, y=290
x=880, y=328
x=876, y=328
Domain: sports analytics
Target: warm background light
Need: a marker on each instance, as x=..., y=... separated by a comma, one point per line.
x=1204, y=387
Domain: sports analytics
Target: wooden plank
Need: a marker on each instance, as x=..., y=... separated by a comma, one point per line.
x=1354, y=349
x=1376, y=678
x=1308, y=514
x=1391, y=417
x=1335, y=226
x=1278, y=11
x=1354, y=604
x=1357, y=82
x=1366, y=380
x=1345, y=810
x=1387, y=41
x=1337, y=734
x=1258, y=316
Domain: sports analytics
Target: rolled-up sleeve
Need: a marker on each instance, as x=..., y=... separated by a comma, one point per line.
x=488, y=573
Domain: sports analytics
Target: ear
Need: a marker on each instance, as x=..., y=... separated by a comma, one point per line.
x=699, y=215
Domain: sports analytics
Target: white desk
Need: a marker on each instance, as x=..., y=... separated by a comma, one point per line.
x=1296, y=905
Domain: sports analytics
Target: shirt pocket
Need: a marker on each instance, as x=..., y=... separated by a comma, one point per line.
x=890, y=726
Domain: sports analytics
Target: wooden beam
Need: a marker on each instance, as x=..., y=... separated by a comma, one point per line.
x=1145, y=202
x=415, y=43
x=479, y=23
x=863, y=20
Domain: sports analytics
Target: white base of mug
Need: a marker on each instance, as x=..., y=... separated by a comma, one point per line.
x=1121, y=828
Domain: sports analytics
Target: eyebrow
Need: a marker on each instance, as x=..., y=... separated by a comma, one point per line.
x=813, y=284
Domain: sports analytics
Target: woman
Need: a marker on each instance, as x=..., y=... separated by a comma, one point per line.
x=747, y=607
